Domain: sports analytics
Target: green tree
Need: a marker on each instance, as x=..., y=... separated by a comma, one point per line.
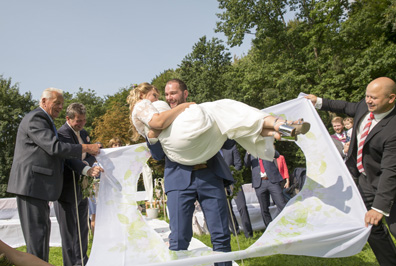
x=160, y=80
x=203, y=70
x=93, y=103
x=119, y=98
x=370, y=42
x=287, y=56
x=114, y=123
x=13, y=107
x=333, y=48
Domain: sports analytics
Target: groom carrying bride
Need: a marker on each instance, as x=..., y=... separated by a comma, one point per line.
x=184, y=184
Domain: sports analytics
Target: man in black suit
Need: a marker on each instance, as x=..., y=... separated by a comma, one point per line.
x=266, y=181
x=71, y=209
x=37, y=170
x=372, y=157
x=231, y=156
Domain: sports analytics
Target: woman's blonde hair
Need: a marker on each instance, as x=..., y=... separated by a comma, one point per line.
x=136, y=94
x=115, y=140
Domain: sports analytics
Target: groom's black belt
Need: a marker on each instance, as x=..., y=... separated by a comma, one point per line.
x=200, y=166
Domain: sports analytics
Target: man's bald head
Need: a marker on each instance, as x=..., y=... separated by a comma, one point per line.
x=380, y=95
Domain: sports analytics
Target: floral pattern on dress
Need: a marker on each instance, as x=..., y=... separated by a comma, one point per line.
x=142, y=114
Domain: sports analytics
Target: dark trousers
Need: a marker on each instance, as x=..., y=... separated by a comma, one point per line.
x=208, y=189
x=263, y=195
x=232, y=221
x=36, y=225
x=240, y=201
x=67, y=218
x=380, y=240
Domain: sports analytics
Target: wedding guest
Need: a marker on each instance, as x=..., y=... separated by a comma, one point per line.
x=297, y=180
x=371, y=157
x=266, y=180
x=231, y=156
x=284, y=171
x=348, y=124
x=338, y=126
x=37, y=170
x=115, y=142
x=72, y=220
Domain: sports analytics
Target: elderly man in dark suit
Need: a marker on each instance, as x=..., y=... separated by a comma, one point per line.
x=266, y=180
x=71, y=209
x=37, y=170
x=185, y=184
x=372, y=157
x=231, y=156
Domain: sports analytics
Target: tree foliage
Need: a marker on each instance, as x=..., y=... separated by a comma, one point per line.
x=332, y=48
x=93, y=103
x=160, y=80
x=13, y=107
x=114, y=123
x=118, y=98
x=204, y=68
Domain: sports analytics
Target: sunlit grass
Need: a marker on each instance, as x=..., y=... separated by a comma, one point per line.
x=364, y=258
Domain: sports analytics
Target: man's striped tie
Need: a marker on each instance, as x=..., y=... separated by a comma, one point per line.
x=363, y=137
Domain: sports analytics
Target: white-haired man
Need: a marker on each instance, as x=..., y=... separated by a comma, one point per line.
x=37, y=170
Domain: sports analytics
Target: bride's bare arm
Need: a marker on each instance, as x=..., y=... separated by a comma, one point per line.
x=163, y=120
x=153, y=133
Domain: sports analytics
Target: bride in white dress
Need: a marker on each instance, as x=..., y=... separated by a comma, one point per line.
x=193, y=133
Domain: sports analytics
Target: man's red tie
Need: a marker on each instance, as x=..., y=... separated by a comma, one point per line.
x=363, y=137
x=261, y=166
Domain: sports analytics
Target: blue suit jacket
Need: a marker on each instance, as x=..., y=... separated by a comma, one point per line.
x=270, y=168
x=178, y=176
x=231, y=155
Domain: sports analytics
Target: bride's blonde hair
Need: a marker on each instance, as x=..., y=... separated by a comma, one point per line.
x=136, y=94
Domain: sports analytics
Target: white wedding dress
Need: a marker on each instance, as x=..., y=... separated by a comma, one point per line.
x=199, y=132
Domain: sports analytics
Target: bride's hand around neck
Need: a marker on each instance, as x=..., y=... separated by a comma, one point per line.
x=151, y=96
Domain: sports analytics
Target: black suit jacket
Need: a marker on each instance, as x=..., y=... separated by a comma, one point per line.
x=66, y=134
x=270, y=168
x=379, y=151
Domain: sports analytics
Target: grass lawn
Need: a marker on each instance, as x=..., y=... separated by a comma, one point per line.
x=55, y=256
x=364, y=258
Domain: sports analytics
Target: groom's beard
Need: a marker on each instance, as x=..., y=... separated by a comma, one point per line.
x=176, y=103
